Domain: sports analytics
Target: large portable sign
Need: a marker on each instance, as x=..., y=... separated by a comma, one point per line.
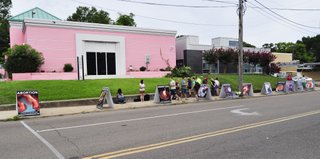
x=266, y=88
x=27, y=103
x=162, y=95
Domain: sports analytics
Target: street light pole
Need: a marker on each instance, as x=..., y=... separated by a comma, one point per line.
x=240, y=59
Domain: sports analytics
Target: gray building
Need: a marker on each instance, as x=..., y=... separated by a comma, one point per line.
x=189, y=53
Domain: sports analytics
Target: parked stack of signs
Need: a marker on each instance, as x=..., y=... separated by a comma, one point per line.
x=204, y=92
x=310, y=85
x=290, y=87
x=27, y=103
x=162, y=95
x=266, y=88
x=280, y=88
x=226, y=91
x=105, y=96
x=247, y=89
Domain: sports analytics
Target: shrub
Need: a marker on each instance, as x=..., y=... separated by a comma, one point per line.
x=142, y=68
x=181, y=72
x=23, y=58
x=168, y=68
x=67, y=68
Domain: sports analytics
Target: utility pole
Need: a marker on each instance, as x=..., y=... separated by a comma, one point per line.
x=240, y=57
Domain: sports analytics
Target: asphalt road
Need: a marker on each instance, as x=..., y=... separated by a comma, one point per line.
x=286, y=126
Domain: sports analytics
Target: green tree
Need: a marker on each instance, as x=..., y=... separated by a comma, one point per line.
x=126, y=20
x=91, y=15
x=245, y=44
x=23, y=58
x=210, y=57
x=312, y=45
x=300, y=53
x=5, y=6
x=285, y=47
x=270, y=46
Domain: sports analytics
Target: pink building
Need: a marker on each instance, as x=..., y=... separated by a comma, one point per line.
x=103, y=51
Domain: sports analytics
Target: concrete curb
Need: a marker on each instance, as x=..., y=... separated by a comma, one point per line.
x=71, y=102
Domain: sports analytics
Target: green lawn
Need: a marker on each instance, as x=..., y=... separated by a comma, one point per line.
x=61, y=89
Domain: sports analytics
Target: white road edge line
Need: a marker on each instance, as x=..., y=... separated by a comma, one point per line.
x=137, y=119
x=55, y=151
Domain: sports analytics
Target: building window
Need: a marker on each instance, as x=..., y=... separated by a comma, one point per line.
x=233, y=43
x=101, y=63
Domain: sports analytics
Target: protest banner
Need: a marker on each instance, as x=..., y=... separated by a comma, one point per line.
x=290, y=87
x=105, y=97
x=204, y=92
x=162, y=95
x=280, y=88
x=266, y=88
x=27, y=103
x=247, y=89
x=226, y=91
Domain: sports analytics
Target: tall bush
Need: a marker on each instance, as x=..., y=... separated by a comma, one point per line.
x=181, y=72
x=23, y=58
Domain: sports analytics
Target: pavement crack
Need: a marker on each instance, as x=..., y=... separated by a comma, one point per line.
x=69, y=141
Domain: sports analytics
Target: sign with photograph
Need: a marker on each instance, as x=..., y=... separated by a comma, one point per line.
x=290, y=87
x=162, y=94
x=247, y=89
x=105, y=96
x=27, y=103
x=299, y=85
x=310, y=85
x=226, y=91
x=280, y=88
x=204, y=92
x=266, y=88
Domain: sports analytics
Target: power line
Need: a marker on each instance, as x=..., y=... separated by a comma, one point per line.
x=292, y=9
x=281, y=9
x=153, y=18
x=285, y=17
x=290, y=25
x=220, y=1
x=176, y=5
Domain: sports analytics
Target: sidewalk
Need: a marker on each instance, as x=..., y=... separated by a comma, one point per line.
x=59, y=111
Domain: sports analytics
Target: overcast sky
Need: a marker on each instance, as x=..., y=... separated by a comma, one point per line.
x=221, y=20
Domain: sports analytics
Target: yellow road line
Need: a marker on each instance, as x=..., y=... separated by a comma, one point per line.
x=199, y=137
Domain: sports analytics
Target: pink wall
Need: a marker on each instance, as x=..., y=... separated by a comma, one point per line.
x=16, y=36
x=44, y=76
x=59, y=47
x=148, y=74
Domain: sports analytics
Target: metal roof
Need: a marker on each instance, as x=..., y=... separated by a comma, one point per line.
x=35, y=13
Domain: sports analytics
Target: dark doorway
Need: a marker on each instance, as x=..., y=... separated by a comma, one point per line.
x=111, y=57
x=101, y=59
x=91, y=63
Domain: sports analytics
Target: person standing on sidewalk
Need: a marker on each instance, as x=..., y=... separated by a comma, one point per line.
x=142, y=90
x=217, y=86
x=189, y=87
x=172, y=85
x=183, y=88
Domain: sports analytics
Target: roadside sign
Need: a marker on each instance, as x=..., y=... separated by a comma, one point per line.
x=299, y=85
x=247, y=89
x=105, y=96
x=226, y=91
x=266, y=88
x=290, y=87
x=310, y=85
x=27, y=103
x=280, y=88
x=162, y=94
x=204, y=92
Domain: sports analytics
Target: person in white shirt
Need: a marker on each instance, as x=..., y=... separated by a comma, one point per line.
x=217, y=86
x=142, y=90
